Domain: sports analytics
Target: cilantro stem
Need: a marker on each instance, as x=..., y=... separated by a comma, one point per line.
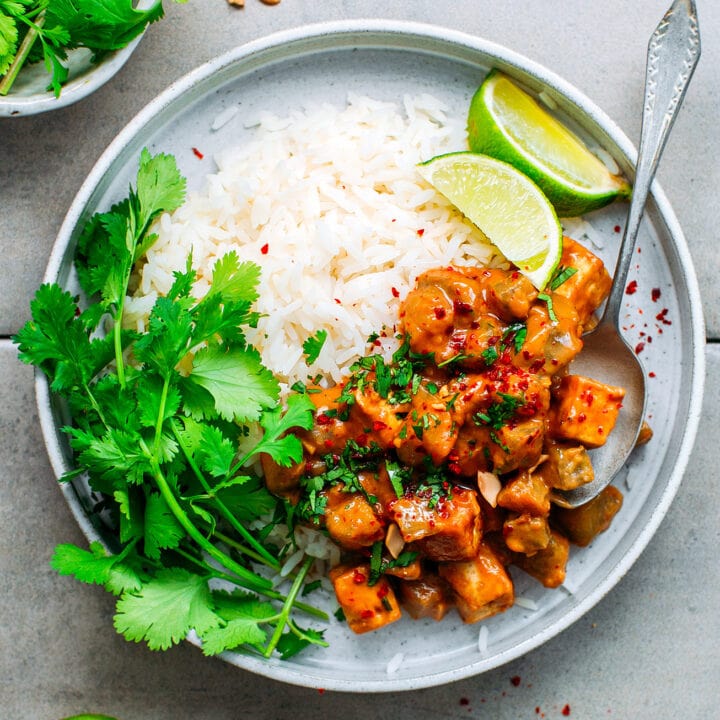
x=272, y=562
x=287, y=606
x=22, y=54
x=160, y=416
x=251, y=580
x=272, y=594
x=267, y=558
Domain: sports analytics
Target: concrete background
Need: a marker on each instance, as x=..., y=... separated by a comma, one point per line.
x=647, y=650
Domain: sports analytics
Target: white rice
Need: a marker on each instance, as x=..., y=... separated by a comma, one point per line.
x=394, y=663
x=483, y=637
x=527, y=603
x=330, y=204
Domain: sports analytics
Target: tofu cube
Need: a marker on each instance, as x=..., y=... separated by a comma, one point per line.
x=525, y=493
x=590, y=285
x=350, y=519
x=585, y=410
x=482, y=586
x=449, y=530
x=366, y=607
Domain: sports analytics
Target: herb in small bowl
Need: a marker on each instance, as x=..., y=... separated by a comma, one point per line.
x=54, y=52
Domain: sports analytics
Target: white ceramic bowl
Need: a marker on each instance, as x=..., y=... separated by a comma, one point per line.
x=386, y=59
x=29, y=94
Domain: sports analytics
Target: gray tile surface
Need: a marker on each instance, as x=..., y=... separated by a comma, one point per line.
x=648, y=650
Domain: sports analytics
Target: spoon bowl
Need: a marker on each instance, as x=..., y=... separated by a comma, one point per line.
x=673, y=53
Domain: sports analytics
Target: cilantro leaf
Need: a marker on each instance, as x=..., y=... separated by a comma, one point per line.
x=162, y=530
x=94, y=566
x=166, y=608
x=237, y=380
x=244, y=617
x=216, y=452
x=290, y=644
x=285, y=449
x=8, y=41
x=314, y=345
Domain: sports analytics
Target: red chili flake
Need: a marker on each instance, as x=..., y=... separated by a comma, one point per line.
x=464, y=701
x=617, y=228
x=655, y=294
x=439, y=313
x=454, y=468
x=359, y=577
x=367, y=614
x=321, y=691
x=566, y=710
x=421, y=232
x=328, y=443
x=338, y=301
x=662, y=317
x=639, y=348
x=323, y=419
x=631, y=289
x=378, y=425
x=197, y=154
x=582, y=417
x=395, y=292
x=515, y=680
x=383, y=590
x=361, y=439
x=462, y=308
x=264, y=249
x=537, y=710
x=651, y=374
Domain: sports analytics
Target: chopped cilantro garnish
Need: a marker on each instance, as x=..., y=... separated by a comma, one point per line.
x=314, y=345
x=548, y=301
x=561, y=275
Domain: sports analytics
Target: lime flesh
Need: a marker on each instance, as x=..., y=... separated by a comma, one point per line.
x=509, y=209
x=508, y=124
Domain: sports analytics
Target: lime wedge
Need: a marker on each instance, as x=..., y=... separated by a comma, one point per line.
x=506, y=123
x=506, y=205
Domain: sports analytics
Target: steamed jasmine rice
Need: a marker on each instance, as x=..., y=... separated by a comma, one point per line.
x=329, y=203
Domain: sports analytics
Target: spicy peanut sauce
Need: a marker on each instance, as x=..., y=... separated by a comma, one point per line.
x=434, y=471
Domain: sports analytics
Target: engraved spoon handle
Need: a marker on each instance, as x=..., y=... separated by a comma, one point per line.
x=673, y=53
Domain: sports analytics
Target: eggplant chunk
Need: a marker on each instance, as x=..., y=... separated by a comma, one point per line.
x=427, y=597
x=547, y=565
x=526, y=534
x=366, y=607
x=583, y=523
x=567, y=467
x=482, y=586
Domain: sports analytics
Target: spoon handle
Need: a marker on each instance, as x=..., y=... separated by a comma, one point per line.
x=673, y=53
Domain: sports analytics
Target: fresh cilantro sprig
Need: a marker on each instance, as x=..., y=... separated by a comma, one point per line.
x=45, y=30
x=160, y=426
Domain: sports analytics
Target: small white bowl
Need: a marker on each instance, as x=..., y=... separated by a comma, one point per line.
x=29, y=94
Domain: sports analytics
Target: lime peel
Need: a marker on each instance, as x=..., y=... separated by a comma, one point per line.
x=507, y=207
x=507, y=123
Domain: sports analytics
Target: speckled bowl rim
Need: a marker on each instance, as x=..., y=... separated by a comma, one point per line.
x=395, y=31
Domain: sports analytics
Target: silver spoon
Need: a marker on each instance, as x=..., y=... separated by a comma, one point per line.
x=673, y=52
